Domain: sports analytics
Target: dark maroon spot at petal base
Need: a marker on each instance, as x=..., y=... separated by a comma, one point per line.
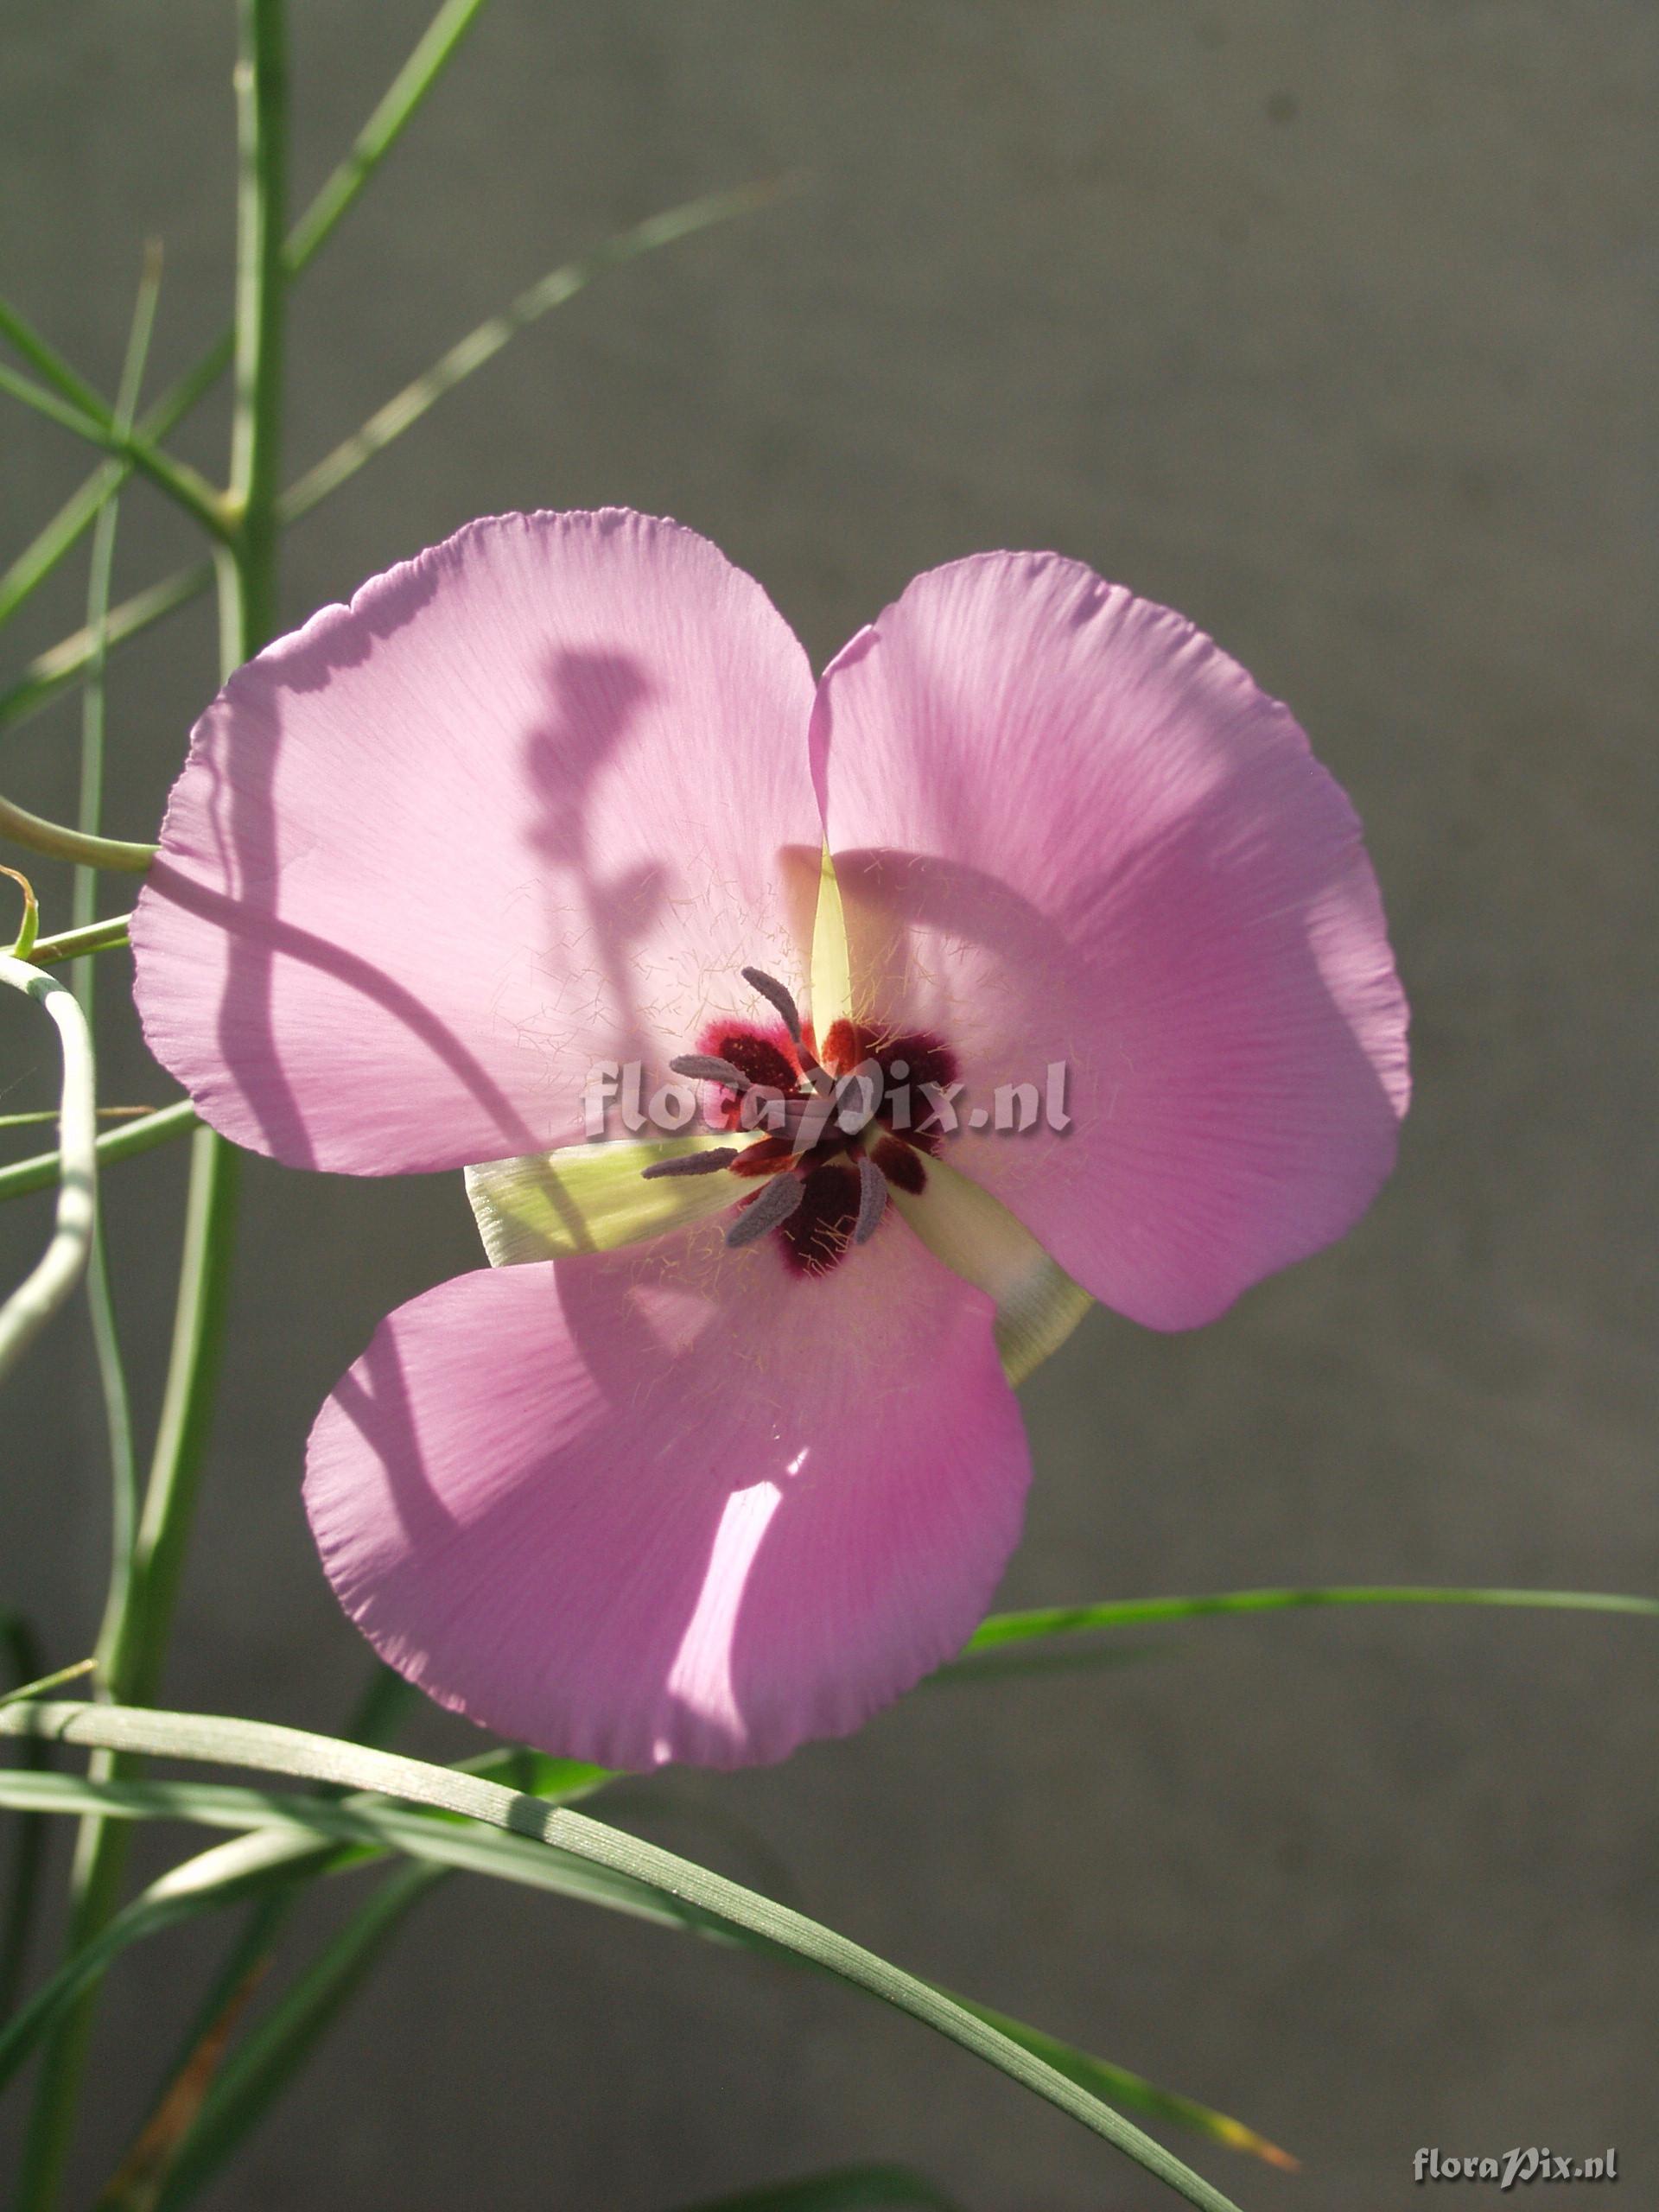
x=922, y=1058
x=900, y=1164
x=820, y=1230
x=759, y=1058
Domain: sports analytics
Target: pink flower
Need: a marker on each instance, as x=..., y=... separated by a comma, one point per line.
x=666, y=1482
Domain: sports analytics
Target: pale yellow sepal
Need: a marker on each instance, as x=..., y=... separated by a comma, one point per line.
x=1038, y=1305
x=592, y=1198
x=831, y=977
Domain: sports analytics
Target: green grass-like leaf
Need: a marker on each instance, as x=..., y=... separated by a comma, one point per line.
x=267, y=1855
x=1000, y=1630
x=554, y=1848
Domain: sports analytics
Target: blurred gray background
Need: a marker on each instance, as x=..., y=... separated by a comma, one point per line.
x=1332, y=327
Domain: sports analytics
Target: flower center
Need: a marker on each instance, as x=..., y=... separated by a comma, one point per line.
x=835, y=1124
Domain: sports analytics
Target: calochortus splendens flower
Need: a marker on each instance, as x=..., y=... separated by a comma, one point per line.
x=716, y=1457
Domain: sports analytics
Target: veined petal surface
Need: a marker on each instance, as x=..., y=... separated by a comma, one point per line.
x=1068, y=828
x=518, y=809
x=678, y=1503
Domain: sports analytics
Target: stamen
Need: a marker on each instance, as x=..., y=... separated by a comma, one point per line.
x=692, y=1163
x=775, y=1202
x=771, y=989
x=708, y=1067
x=872, y=1199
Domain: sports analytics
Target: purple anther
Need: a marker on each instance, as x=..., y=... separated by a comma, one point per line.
x=692, y=1163
x=775, y=1204
x=771, y=989
x=708, y=1067
x=872, y=1199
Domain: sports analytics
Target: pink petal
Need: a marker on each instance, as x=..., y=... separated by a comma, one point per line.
x=519, y=808
x=676, y=1505
x=1068, y=828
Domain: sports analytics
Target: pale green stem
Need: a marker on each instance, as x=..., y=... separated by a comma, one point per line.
x=482, y=344
x=107, y=936
x=52, y=671
x=54, y=1681
x=136, y=1638
x=21, y=1656
x=182, y=483
x=29, y=1308
x=38, y=1115
x=40, y=355
x=425, y=65
x=60, y=843
x=379, y=134
x=41, y=1171
x=256, y=439
x=60, y=665
x=106, y=1343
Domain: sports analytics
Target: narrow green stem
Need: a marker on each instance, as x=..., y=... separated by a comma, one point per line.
x=999, y=1629
x=45, y=357
x=374, y=141
x=177, y=478
x=255, y=443
x=107, y=936
x=136, y=1637
x=55, y=1276
x=470, y=354
x=55, y=1679
x=22, y=1657
x=61, y=664
x=106, y=1344
x=89, y=819
x=339, y=194
x=60, y=843
x=43, y=1169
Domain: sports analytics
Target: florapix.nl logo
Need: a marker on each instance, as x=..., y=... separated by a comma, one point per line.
x=620, y=1098
x=1507, y=2168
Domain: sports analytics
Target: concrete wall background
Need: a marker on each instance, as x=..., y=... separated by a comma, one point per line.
x=1332, y=327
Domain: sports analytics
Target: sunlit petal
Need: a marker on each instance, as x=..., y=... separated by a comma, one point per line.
x=673, y=1505
x=1070, y=832
x=521, y=807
